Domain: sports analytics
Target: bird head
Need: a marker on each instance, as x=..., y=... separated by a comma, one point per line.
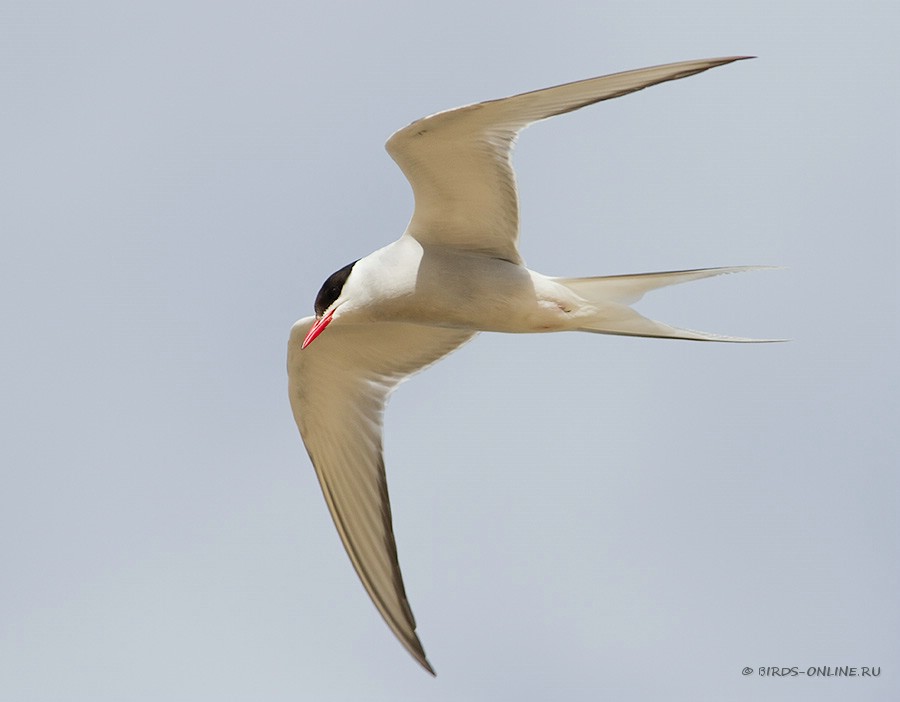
x=327, y=302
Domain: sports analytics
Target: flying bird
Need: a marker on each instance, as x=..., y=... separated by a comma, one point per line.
x=454, y=272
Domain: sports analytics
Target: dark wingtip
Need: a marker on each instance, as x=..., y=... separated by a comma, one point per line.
x=419, y=655
x=725, y=60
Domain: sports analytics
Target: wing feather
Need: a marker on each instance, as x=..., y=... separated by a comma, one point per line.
x=458, y=161
x=338, y=388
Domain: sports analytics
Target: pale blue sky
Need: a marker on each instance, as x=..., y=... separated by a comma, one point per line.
x=578, y=517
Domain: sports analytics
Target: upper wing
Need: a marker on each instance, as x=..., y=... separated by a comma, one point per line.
x=338, y=388
x=458, y=161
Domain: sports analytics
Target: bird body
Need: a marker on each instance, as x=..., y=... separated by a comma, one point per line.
x=454, y=272
x=445, y=287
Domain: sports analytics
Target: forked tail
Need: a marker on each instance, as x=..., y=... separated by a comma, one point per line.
x=612, y=295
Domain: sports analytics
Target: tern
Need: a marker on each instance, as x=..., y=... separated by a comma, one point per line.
x=454, y=272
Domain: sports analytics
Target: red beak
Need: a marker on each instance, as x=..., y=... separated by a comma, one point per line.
x=317, y=329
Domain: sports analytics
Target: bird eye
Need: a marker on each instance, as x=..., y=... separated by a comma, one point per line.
x=331, y=288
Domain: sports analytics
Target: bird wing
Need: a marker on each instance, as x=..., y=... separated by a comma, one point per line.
x=338, y=389
x=458, y=161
